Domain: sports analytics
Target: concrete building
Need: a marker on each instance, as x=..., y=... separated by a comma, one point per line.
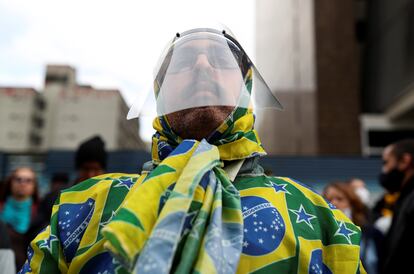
x=77, y=112
x=22, y=121
x=307, y=51
x=64, y=115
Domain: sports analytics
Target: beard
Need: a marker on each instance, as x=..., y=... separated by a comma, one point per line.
x=198, y=123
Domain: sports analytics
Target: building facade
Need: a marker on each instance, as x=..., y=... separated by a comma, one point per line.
x=22, y=119
x=64, y=115
x=307, y=51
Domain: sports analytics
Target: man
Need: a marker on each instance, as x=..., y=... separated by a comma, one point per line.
x=398, y=176
x=203, y=204
x=90, y=159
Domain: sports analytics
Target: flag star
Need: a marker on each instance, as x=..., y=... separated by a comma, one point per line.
x=67, y=225
x=68, y=233
x=260, y=240
x=261, y=223
x=255, y=230
x=48, y=242
x=265, y=229
x=273, y=236
x=344, y=231
x=254, y=215
x=124, y=183
x=303, y=216
x=281, y=187
x=260, y=228
x=66, y=212
x=255, y=223
x=246, y=230
x=277, y=228
x=90, y=203
x=77, y=241
x=245, y=244
x=245, y=208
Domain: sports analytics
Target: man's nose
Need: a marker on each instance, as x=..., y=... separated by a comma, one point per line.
x=202, y=62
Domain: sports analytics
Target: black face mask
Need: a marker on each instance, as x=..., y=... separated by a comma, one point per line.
x=392, y=181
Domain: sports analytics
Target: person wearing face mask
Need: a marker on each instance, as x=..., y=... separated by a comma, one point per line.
x=203, y=203
x=361, y=190
x=398, y=176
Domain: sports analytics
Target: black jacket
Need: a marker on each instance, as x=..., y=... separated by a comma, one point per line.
x=398, y=255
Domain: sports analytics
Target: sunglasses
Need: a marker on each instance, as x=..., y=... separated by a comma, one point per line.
x=21, y=180
x=219, y=57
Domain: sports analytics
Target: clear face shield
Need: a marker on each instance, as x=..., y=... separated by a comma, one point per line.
x=204, y=68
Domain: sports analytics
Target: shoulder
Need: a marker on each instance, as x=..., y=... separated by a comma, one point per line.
x=103, y=180
x=101, y=188
x=293, y=189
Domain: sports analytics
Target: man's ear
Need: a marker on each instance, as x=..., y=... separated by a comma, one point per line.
x=406, y=161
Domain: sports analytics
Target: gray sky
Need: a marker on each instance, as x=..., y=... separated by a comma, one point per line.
x=112, y=44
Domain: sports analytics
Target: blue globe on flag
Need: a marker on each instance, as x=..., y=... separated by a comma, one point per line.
x=264, y=227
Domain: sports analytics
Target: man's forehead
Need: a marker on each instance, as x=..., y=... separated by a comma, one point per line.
x=388, y=152
x=203, y=43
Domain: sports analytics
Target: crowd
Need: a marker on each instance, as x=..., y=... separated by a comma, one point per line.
x=386, y=226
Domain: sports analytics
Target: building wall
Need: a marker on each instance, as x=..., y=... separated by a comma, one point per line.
x=338, y=89
x=285, y=57
x=85, y=112
x=64, y=115
x=17, y=119
x=307, y=52
x=78, y=112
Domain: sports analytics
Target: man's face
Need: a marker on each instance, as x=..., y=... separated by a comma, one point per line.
x=201, y=87
x=89, y=169
x=23, y=184
x=389, y=160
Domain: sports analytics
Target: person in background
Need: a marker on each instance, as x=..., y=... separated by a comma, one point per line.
x=90, y=159
x=343, y=197
x=18, y=206
x=360, y=189
x=398, y=176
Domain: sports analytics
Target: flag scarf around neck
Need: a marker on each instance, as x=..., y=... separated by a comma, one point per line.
x=198, y=225
x=235, y=138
